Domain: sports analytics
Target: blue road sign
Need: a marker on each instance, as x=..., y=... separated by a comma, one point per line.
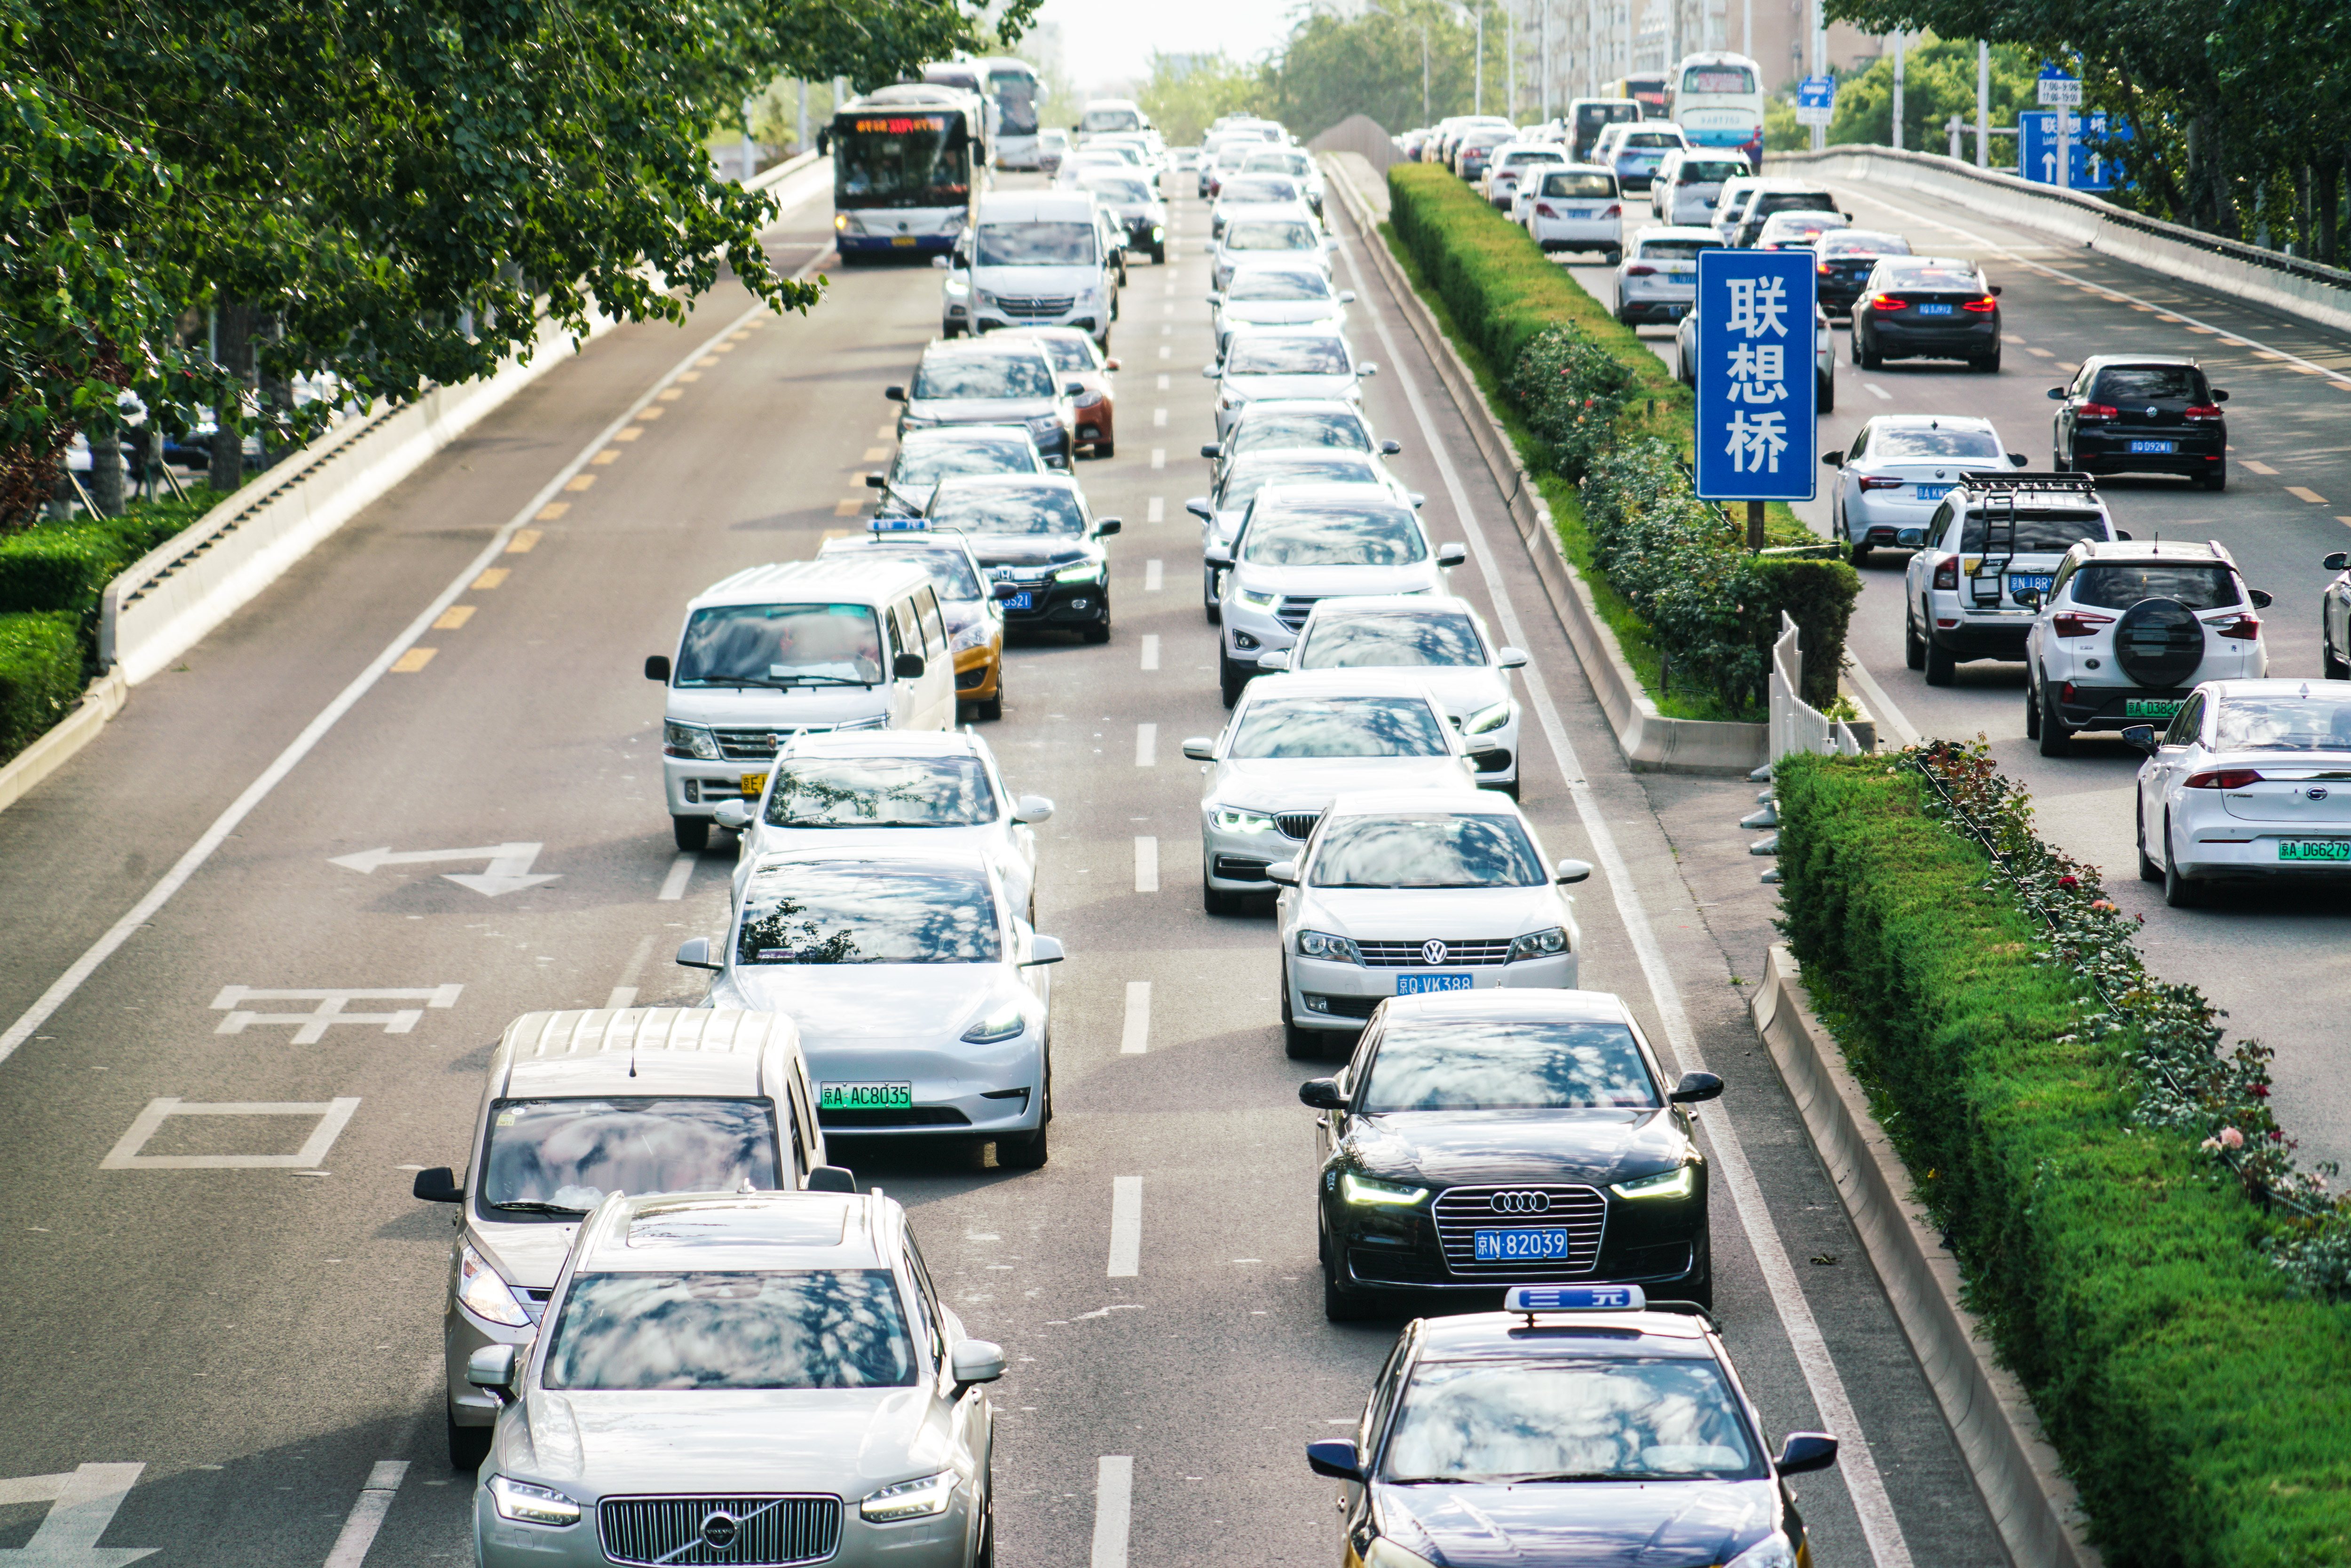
x=2092, y=170
x=1756, y=393
x=1816, y=92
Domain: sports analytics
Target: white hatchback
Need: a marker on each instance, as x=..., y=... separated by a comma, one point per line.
x=2250, y=782
x=1289, y=236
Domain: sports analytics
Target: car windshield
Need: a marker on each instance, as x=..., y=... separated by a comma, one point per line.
x=1650, y=139
x=1269, y=234
x=1037, y=243
x=950, y=570
x=1338, y=726
x=1338, y=535
x=1410, y=638
x=2126, y=385
x=867, y=912
x=1676, y=249
x=802, y=1328
x=1909, y=278
x=2039, y=533
x=1580, y=187
x=1506, y=1064
x=1343, y=431
x=2196, y=586
x=2283, y=723
x=1917, y=441
x=1856, y=242
x=1119, y=188
x=1525, y=155
x=561, y=1156
x=1710, y=170
x=1291, y=163
x=1277, y=282
x=984, y=376
x=1248, y=187
x=780, y=646
x=1067, y=350
x=1305, y=468
x=1432, y=849
x=1094, y=122
x=1630, y=1418
x=881, y=792
x=1286, y=356
x=1045, y=509
x=922, y=464
x=1771, y=202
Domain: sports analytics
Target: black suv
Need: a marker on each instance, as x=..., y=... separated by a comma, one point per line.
x=2148, y=413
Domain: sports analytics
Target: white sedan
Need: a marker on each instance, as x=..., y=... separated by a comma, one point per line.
x=1312, y=362
x=851, y=788
x=2251, y=781
x=920, y=993
x=1898, y=469
x=1296, y=741
x=1406, y=892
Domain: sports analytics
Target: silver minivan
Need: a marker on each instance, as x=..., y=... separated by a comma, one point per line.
x=777, y=651
x=581, y=1104
x=1037, y=258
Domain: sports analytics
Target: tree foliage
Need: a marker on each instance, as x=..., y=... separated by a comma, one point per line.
x=1331, y=67
x=1185, y=94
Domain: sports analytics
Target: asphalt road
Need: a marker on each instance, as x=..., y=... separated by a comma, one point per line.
x=2278, y=960
x=251, y=1353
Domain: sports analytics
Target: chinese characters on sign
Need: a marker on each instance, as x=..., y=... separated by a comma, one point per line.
x=1755, y=386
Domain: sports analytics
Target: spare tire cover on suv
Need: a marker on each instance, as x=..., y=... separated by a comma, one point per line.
x=2159, y=642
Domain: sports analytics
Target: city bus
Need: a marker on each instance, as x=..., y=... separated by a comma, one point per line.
x=1651, y=90
x=1012, y=89
x=908, y=164
x=1719, y=102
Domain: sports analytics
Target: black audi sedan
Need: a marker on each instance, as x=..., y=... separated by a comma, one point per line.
x=1483, y=1139
x=1927, y=308
x=2141, y=413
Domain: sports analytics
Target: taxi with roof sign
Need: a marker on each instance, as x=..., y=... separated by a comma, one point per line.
x=1581, y=1425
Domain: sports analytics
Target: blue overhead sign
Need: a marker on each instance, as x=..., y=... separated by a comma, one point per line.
x=2091, y=168
x=1756, y=440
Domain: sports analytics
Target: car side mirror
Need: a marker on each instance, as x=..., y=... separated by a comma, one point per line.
x=1367, y=368
x=1806, y=1451
x=1212, y=451
x=1210, y=373
x=1568, y=871
x=1033, y=809
x=1105, y=527
x=2339, y=561
x=1508, y=658
x=1200, y=748
x=1833, y=459
x=1199, y=507
x=2220, y=396
x=1219, y=557
x=1989, y=288
x=2056, y=394
x=1695, y=1087
x=693, y=953
x=1274, y=659
x=2141, y=736
x=2028, y=597
x=657, y=668
x=1282, y=874
x=1334, y=1457
x=1004, y=591
x=1452, y=555
x=1417, y=499
x=977, y=1361
x=942, y=263
x=908, y=667
x=733, y=815
x=2261, y=596
x=495, y=1367
x=1346, y=297
x=2019, y=460
x=437, y=1185
x=894, y=394
x=1043, y=950
x=1322, y=1094
x=1390, y=448
x=877, y=481
x=2122, y=533
x=1110, y=364
x=1073, y=388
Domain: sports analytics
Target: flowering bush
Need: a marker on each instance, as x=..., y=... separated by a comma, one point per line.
x=1569, y=391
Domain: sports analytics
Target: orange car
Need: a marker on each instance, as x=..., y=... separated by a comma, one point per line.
x=1073, y=354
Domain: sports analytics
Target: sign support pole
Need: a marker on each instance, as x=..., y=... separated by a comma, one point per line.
x=1755, y=525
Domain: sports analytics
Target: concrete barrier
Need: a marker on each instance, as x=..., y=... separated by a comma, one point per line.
x=1363, y=136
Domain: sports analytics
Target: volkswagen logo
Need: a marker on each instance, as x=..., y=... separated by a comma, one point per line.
x=1432, y=952
x=2316, y=791
x=1521, y=1203
x=718, y=1529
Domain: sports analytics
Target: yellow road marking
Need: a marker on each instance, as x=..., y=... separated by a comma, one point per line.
x=2041, y=353
x=610, y=455
x=651, y=413
x=849, y=508
x=2205, y=330
x=491, y=577
x=2173, y=320
x=836, y=534
x=689, y=375
x=722, y=348
x=549, y=512
x=580, y=482
x=415, y=659
x=2304, y=492
x=887, y=433
x=627, y=433
x=2258, y=468
x=707, y=361
x=523, y=539
x=875, y=455
x=669, y=394
x=456, y=615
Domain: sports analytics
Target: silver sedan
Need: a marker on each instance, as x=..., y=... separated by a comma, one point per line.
x=1897, y=470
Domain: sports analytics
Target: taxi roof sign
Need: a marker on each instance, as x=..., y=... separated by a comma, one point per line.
x=899, y=525
x=1532, y=1298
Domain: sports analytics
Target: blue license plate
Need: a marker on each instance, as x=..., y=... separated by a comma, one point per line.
x=1931, y=492
x=2154, y=446
x=1533, y=1244
x=2038, y=582
x=1024, y=599
x=1933, y=310
x=1576, y=212
x=1413, y=985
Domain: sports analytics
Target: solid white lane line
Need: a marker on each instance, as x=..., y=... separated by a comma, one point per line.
x=1878, y=392
x=1126, y=1226
x=1152, y=571
x=1147, y=736
x=621, y=997
x=1157, y=510
x=1113, y=1509
x=1151, y=650
x=1856, y=1463
x=367, y=1514
x=1146, y=864
x=681, y=872
x=1881, y=707
x=1135, y=1040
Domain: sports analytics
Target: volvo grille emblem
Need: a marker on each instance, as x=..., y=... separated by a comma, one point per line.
x=718, y=1531
x=1432, y=952
x=1521, y=1203
x=2316, y=791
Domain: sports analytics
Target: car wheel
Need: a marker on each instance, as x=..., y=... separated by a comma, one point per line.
x=1105, y=448
x=468, y=1446
x=1914, y=647
x=1827, y=385
x=2177, y=890
x=993, y=709
x=2219, y=478
x=2148, y=870
x=2330, y=663
x=1230, y=678
x=1988, y=364
x=1508, y=787
x=1611, y=257
x=1940, y=661
x=1341, y=1305
x=986, y=1555
x=1860, y=555
x=2057, y=463
x=949, y=329
x=2056, y=741
x=1862, y=355
x=691, y=832
x=1298, y=1044
x=1030, y=1150
x=2032, y=711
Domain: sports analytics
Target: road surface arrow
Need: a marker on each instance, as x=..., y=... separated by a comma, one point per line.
x=508, y=870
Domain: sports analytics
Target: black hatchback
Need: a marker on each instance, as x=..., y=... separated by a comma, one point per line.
x=2141, y=413
x=1927, y=308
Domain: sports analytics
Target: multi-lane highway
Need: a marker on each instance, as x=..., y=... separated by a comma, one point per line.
x=246, y=1352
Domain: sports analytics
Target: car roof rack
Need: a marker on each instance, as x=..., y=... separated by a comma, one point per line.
x=1996, y=483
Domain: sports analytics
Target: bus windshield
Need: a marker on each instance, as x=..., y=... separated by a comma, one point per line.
x=900, y=161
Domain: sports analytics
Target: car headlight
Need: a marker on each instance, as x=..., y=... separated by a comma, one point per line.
x=689, y=740
x=1256, y=599
x=922, y=1499
x=1485, y=721
x=1158, y=231
x=974, y=633
x=1366, y=1189
x=840, y=222
x=486, y=1295
x=529, y=1504
x=1773, y=1551
x=1045, y=424
x=1679, y=1182
x=1323, y=945
x=1538, y=943
x=1002, y=1024
x=1235, y=819
x=984, y=297
x=1079, y=571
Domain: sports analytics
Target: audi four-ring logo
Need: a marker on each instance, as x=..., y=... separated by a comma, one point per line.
x=1521, y=1202
x=718, y=1531
x=1432, y=952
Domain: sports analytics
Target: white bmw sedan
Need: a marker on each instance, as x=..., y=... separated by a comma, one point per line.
x=2250, y=782
x=1406, y=892
x=1295, y=742
x=920, y=992
x=851, y=788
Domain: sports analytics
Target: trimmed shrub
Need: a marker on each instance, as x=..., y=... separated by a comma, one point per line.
x=40, y=676
x=59, y=566
x=2197, y=1399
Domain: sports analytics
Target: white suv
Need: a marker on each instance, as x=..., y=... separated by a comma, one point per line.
x=1993, y=539
x=2128, y=630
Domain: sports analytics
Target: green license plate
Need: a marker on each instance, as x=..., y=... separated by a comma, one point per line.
x=2151, y=707
x=865, y=1097
x=2314, y=850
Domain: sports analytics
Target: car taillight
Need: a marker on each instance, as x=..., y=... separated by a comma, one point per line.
x=1981, y=306
x=1616, y=212
x=1825, y=270
x=1638, y=270
x=2244, y=626
x=1887, y=302
x=2095, y=410
x=1543, y=210
x=2201, y=411
x=1947, y=573
x=1883, y=485
x=2223, y=779
x=2074, y=624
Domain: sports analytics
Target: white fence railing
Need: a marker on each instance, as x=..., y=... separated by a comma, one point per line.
x=1796, y=725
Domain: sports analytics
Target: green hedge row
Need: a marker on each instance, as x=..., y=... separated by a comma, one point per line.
x=2200, y=1403
x=40, y=675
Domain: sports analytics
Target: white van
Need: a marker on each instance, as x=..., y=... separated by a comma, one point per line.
x=776, y=650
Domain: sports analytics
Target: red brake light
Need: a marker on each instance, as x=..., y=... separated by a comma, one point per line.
x=1883, y=484
x=2244, y=626
x=1616, y=212
x=2095, y=410
x=1638, y=270
x=1947, y=572
x=2223, y=779
x=2077, y=623
x=1887, y=302
x=1825, y=270
x=1543, y=210
x=2201, y=411
x=1981, y=306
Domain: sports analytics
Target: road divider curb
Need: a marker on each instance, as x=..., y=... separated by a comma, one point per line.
x=1651, y=742
x=102, y=700
x=2015, y=1468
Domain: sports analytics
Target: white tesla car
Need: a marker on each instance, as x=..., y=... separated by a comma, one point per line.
x=2251, y=781
x=1295, y=742
x=920, y=992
